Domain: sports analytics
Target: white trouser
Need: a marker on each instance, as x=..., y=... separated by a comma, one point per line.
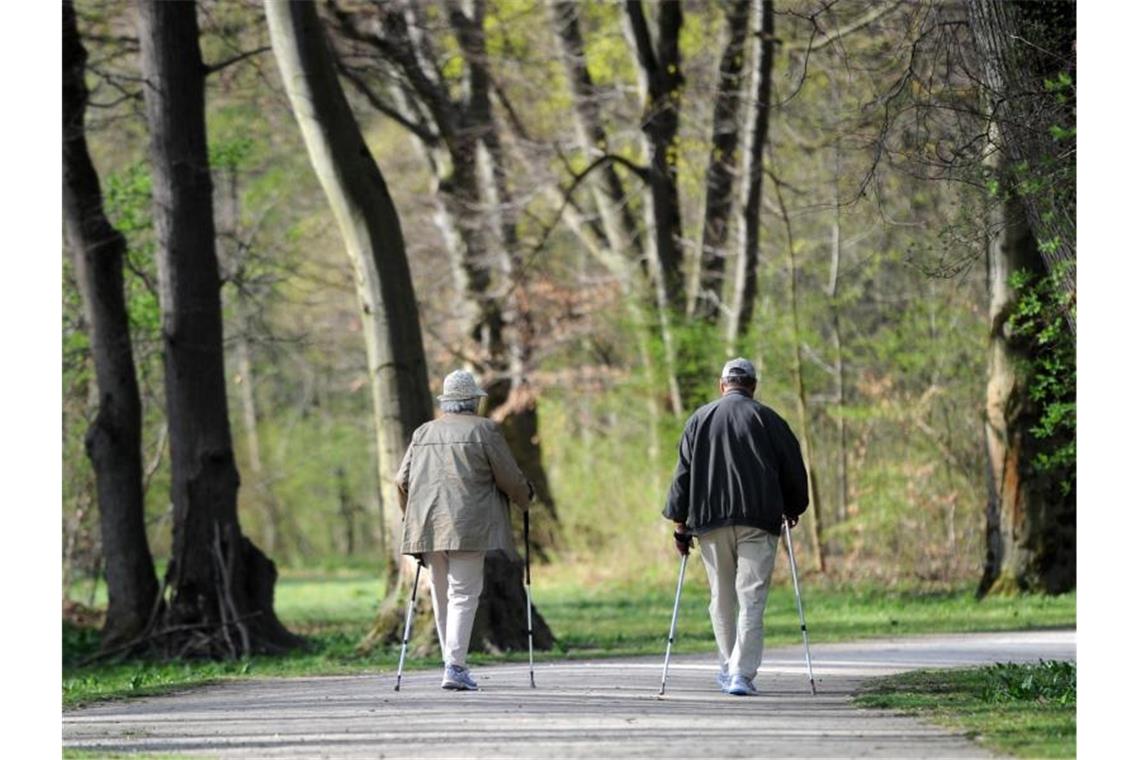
x=456, y=582
x=739, y=562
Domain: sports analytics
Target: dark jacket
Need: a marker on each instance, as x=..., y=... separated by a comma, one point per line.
x=739, y=464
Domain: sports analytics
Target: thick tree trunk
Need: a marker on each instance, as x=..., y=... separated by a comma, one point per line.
x=721, y=174
x=744, y=296
x=371, y=229
x=1031, y=523
x=114, y=440
x=219, y=579
x=1021, y=46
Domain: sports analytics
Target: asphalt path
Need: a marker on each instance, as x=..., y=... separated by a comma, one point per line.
x=596, y=709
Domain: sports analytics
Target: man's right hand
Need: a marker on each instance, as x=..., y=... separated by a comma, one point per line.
x=682, y=542
x=791, y=521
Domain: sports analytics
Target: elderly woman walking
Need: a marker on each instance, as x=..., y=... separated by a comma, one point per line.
x=454, y=483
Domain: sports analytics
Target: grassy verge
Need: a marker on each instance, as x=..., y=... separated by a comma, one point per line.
x=591, y=617
x=1024, y=710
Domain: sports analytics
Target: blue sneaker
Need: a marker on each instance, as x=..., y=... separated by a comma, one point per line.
x=740, y=686
x=457, y=678
x=723, y=679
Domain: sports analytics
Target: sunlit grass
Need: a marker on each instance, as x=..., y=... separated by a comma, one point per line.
x=592, y=614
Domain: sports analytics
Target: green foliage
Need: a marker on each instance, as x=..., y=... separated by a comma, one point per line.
x=1038, y=320
x=1053, y=681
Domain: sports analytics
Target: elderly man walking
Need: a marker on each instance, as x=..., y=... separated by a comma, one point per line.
x=739, y=474
x=454, y=483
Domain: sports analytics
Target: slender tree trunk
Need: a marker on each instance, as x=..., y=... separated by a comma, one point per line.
x=837, y=349
x=229, y=212
x=370, y=226
x=801, y=396
x=721, y=174
x=744, y=297
x=114, y=440
x=659, y=71
x=622, y=234
x=218, y=577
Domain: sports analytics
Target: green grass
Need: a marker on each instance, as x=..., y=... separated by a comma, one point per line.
x=590, y=614
x=1024, y=710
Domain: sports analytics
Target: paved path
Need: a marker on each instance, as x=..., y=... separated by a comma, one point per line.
x=605, y=709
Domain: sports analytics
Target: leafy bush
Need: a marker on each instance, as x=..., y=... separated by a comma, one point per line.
x=1053, y=681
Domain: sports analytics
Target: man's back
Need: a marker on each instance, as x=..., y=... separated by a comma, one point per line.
x=739, y=464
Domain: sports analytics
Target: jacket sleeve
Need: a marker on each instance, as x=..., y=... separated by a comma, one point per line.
x=506, y=471
x=403, y=479
x=793, y=476
x=677, y=503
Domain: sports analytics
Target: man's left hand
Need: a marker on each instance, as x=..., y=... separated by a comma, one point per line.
x=683, y=542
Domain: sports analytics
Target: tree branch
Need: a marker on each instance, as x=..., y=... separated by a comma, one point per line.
x=216, y=67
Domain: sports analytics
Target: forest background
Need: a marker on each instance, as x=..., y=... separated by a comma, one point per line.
x=905, y=287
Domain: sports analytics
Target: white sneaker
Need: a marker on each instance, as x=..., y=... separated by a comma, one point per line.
x=456, y=678
x=741, y=687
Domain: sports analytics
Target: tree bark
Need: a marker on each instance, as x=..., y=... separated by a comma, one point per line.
x=1031, y=523
x=1022, y=45
x=744, y=297
x=114, y=440
x=218, y=578
x=721, y=174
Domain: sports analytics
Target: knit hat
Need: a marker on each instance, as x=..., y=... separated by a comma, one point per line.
x=460, y=385
x=738, y=367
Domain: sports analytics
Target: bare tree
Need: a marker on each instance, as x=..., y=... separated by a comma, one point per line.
x=114, y=439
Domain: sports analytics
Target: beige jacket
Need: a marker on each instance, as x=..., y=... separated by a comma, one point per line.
x=454, y=484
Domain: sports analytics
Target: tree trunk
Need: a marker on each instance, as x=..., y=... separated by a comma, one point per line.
x=1022, y=45
x=660, y=80
x=609, y=193
x=219, y=579
x=1031, y=523
x=744, y=297
x=721, y=173
x=229, y=211
x=370, y=227
x=801, y=396
x=114, y=440
x=837, y=349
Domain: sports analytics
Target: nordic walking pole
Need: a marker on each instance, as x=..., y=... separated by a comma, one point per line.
x=529, y=624
x=408, y=623
x=799, y=602
x=673, y=624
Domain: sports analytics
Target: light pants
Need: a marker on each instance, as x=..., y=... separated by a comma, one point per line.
x=456, y=582
x=739, y=562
